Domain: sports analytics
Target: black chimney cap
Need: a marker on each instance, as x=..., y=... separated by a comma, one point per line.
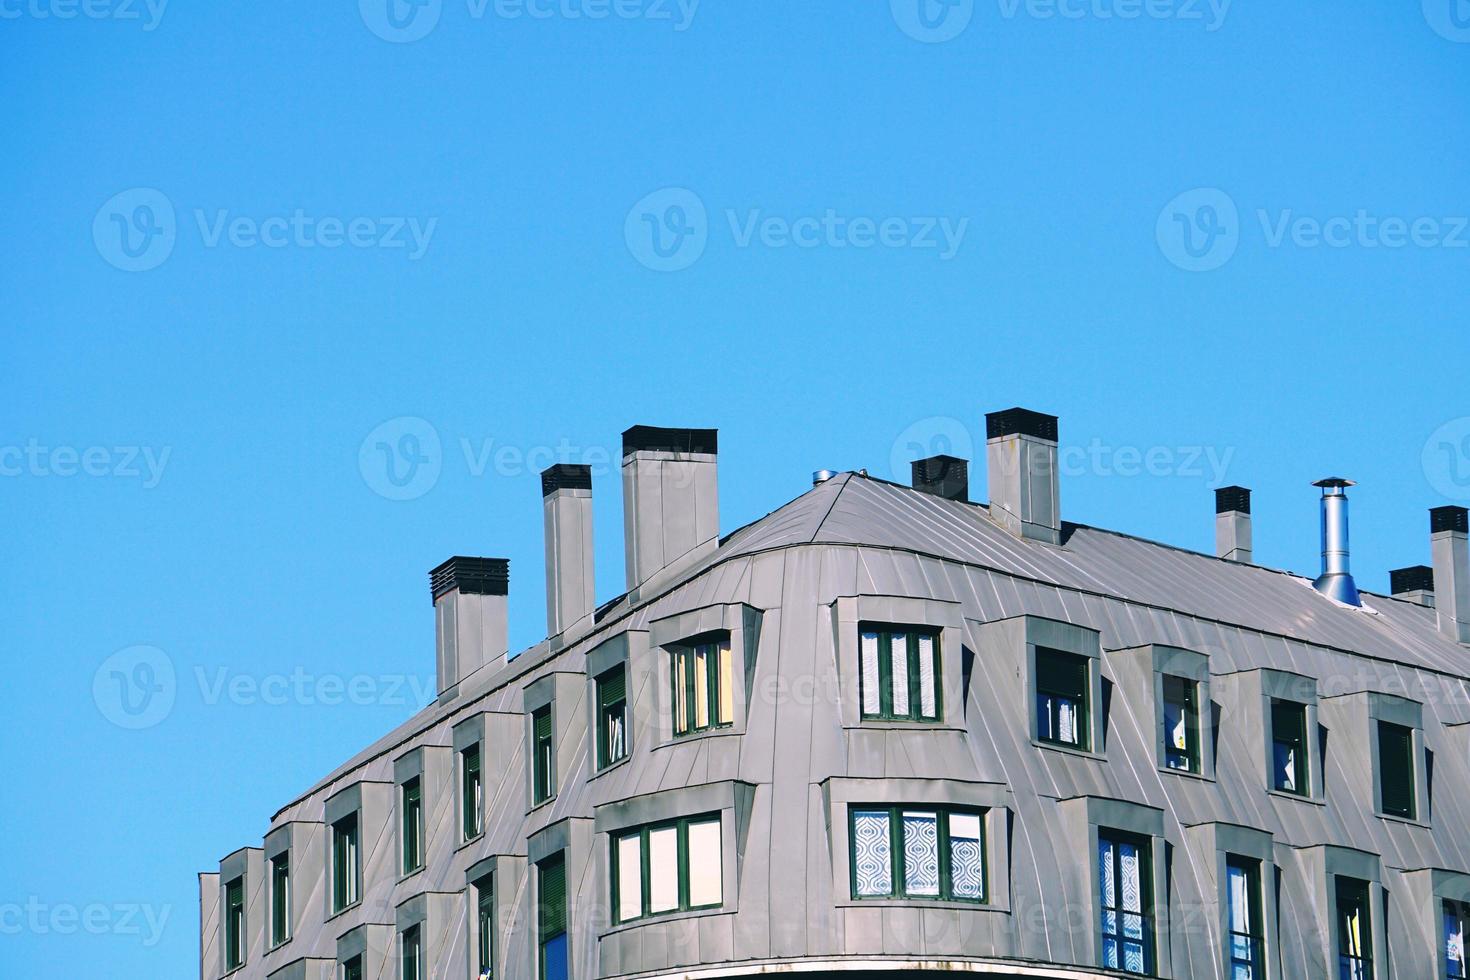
x=651, y=438
x=1449, y=518
x=943, y=476
x=1229, y=499
x=1022, y=422
x=1416, y=578
x=565, y=476
x=472, y=576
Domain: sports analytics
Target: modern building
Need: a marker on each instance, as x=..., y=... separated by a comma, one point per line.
x=886, y=728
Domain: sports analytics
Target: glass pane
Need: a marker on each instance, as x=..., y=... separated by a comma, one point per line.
x=663, y=869
x=928, y=707
x=921, y=853
x=704, y=863
x=899, y=671
x=872, y=855
x=966, y=860
x=616, y=735
x=727, y=685
x=1454, y=941
x=1396, y=769
x=1066, y=730
x=701, y=687
x=630, y=877
x=1105, y=878
x=554, y=958
x=1285, y=767
x=1129, y=878
x=869, y=673
x=1239, y=896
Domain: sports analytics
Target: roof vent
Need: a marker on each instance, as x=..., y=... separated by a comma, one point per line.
x=820, y=477
x=943, y=476
x=1336, y=580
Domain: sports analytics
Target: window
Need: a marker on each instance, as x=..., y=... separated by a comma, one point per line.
x=1289, y=747
x=469, y=776
x=1062, y=686
x=344, y=863
x=1247, y=932
x=235, y=924
x=410, y=955
x=551, y=918
x=909, y=852
x=1396, y=769
x=899, y=673
x=1181, y=724
x=352, y=969
x=413, y=824
x=612, y=717
x=704, y=687
x=1455, y=916
x=280, y=898
x=485, y=918
x=1354, y=930
x=1125, y=885
x=543, y=782
x=673, y=867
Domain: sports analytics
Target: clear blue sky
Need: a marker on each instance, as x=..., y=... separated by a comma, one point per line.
x=531, y=314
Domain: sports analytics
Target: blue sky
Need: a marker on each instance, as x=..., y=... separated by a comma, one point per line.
x=1224, y=243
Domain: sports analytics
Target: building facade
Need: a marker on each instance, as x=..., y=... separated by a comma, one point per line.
x=885, y=728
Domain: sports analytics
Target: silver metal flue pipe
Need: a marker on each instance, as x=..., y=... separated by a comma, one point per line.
x=1336, y=580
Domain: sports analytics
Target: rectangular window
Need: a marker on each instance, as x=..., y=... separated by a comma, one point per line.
x=411, y=955
x=280, y=898
x=551, y=918
x=1125, y=885
x=485, y=923
x=413, y=825
x=672, y=867
x=1354, y=930
x=1181, y=724
x=1396, y=769
x=543, y=772
x=704, y=693
x=1062, y=686
x=912, y=852
x=345, y=871
x=469, y=774
x=1247, y=932
x=352, y=969
x=898, y=673
x=612, y=716
x=235, y=924
x=1289, y=747
x=1455, y=916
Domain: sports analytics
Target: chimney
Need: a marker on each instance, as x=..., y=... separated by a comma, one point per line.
x=671, y=503
x=1416, y=584
x=1447, y=542
x=1021, y=456
x=469, y=616
x=1336, y=580
x=566, y=502
x=943, y=476
x=1233, y=524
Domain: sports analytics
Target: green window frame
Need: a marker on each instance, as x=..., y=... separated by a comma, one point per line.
x=346, y=874
x=551, y=918
x=1396, y=770
x=235, y=924
x=1289, y=748
x=485, y=921
x=612, y=716
x=1354, y=929
x=907, y=874
x=645, y=888
x=543, y=756
x=1456, y=919
x=470, y=791
x=352, y=969
x=1063, y=699
x=899, y=676
x=1181, y=724
x=280, y=898
x=1246, y=941
x=411, y=954
x=411, y=794
x=704, y=686
x=1129, y=939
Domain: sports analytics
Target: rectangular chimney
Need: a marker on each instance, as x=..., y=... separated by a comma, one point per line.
x=1233, y=524
x=1447, y=542
x=943, y=476
x=1021, y=456
x=671, y=503
x=566, y=502
x=470, y=616
x=1416, y=584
